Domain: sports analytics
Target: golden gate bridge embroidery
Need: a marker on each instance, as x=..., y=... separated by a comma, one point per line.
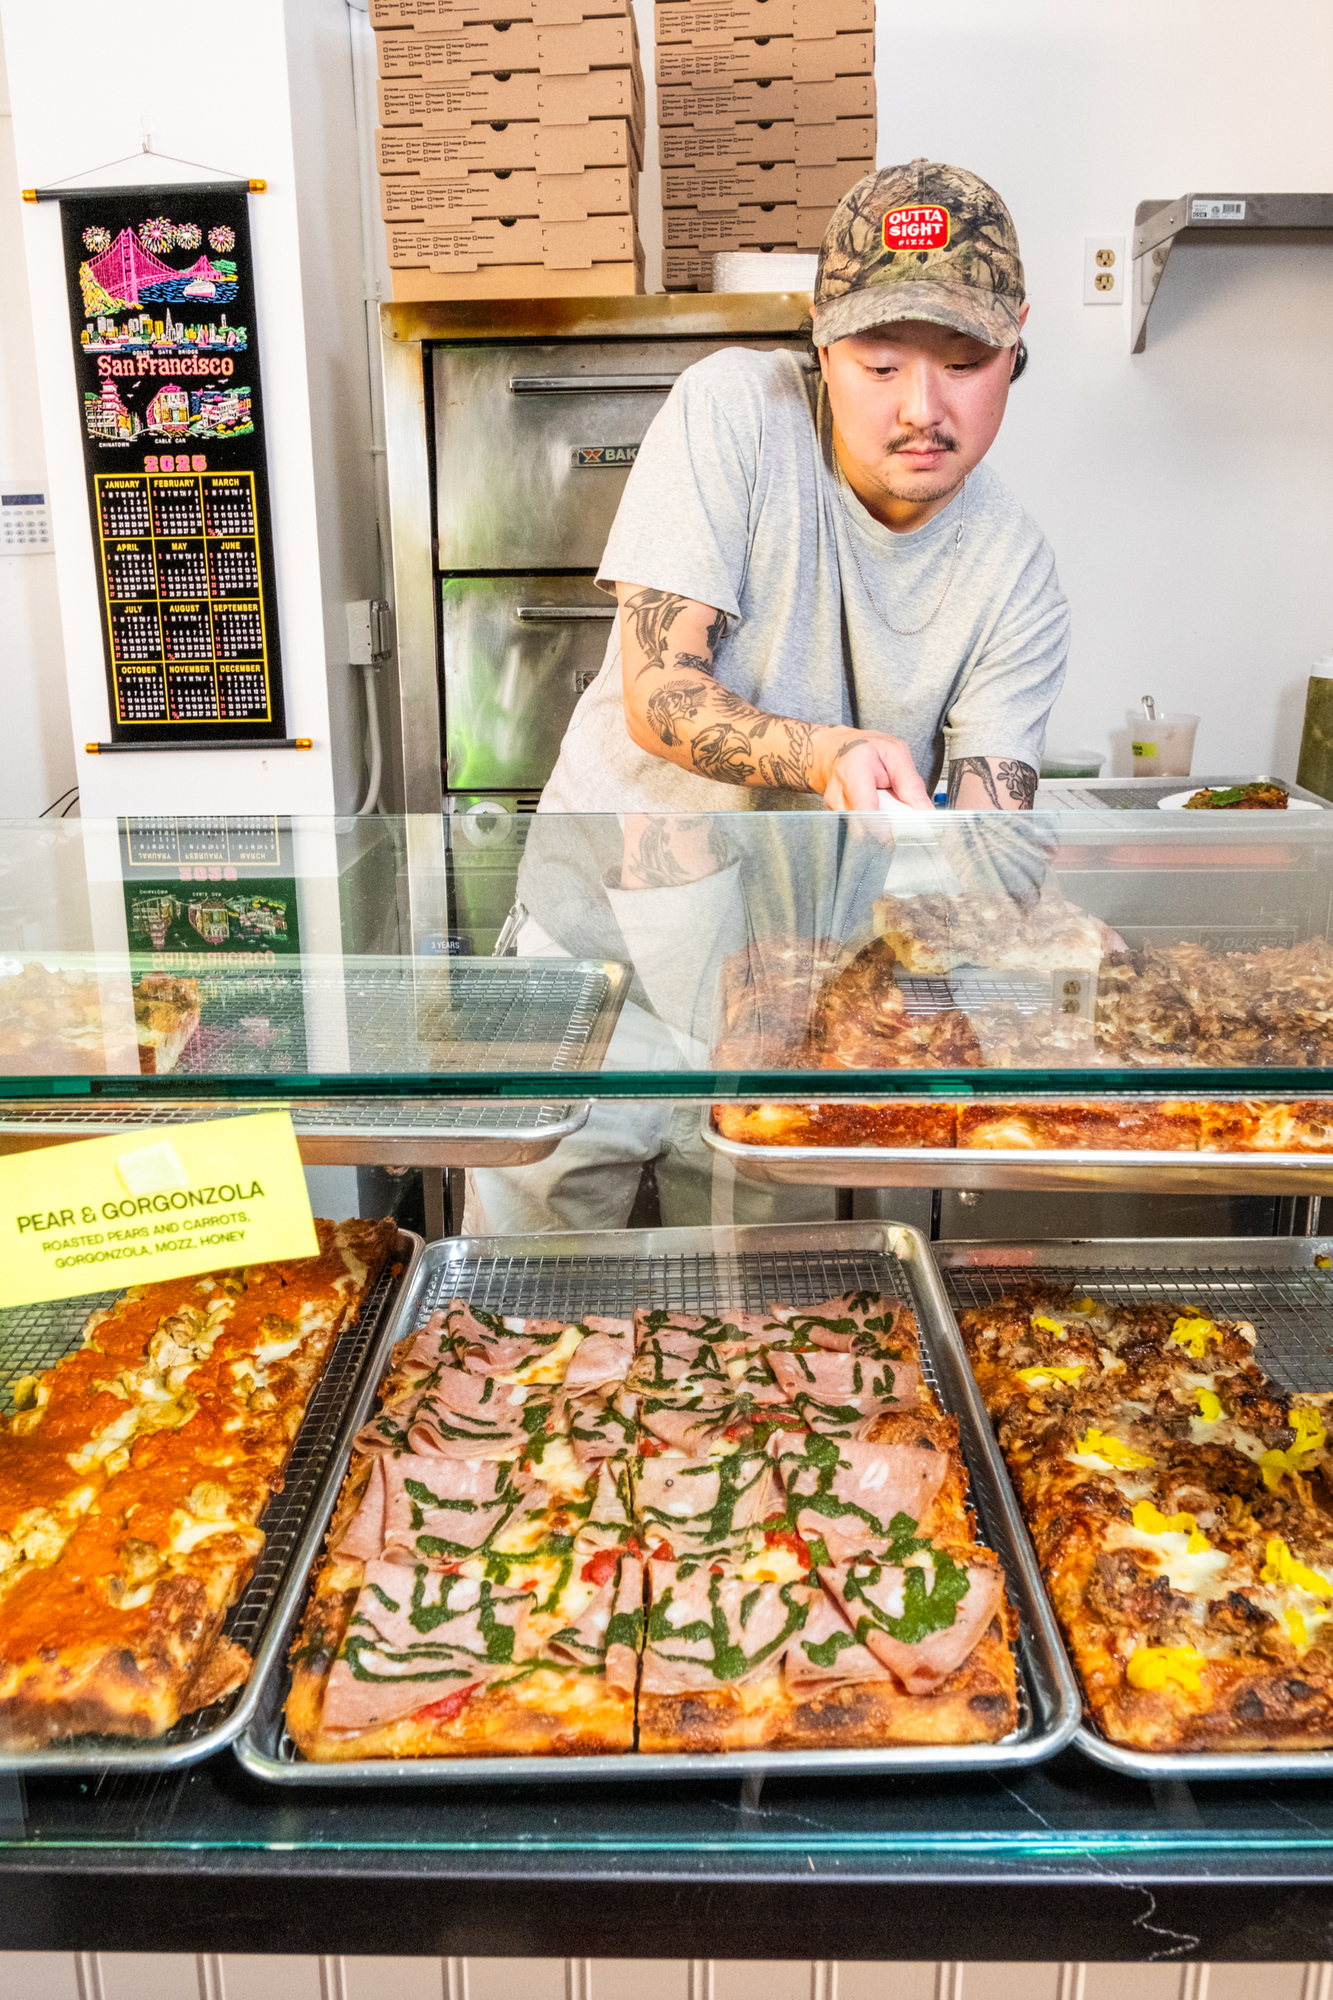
x=127, y=274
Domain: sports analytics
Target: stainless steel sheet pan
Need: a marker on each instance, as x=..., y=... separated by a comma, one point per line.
x=1275, y=1283
x=333, y=1131
x=614, y=1271
x=1053, y=1172
x=36, y=1336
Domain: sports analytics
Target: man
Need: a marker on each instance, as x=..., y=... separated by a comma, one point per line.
x=822, y=589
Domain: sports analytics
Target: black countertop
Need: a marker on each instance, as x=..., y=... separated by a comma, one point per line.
x=1064, y=1862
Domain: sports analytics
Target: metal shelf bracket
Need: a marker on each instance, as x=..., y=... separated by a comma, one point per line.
x=1232, y=218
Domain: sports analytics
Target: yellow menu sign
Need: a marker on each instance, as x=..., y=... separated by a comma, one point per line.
x=122, y=1211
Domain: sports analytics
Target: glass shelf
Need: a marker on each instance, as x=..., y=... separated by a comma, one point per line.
x=779, y=954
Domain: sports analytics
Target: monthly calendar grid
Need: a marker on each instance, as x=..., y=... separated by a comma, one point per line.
x=192, y=683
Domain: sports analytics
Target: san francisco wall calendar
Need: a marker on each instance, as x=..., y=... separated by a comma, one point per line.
x=162, y=306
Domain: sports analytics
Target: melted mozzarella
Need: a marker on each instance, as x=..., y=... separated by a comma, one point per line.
x=1223, y=1431
x=560, y=1470
x=269, y=1351
x=1133, y=1488
x=132, y=1599
x=1194, y=1575
x=550, y=1364
x=776, y=1565
x=191, y=1532
x=106, y=1442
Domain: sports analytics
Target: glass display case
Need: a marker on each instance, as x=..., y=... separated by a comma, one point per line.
x=534, y=963
x=1130, y=993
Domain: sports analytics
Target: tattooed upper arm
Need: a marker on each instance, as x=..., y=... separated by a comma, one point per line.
x=996, y=775
x=651, y=614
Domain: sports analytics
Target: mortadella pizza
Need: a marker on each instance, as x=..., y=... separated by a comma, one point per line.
x=680, y=1532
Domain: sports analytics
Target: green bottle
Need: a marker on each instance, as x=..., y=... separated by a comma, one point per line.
x=1315, y=769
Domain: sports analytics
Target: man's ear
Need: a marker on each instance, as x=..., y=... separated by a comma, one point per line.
x=822, y=352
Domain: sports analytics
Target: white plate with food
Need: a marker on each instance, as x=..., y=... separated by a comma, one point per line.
x=1232, y=798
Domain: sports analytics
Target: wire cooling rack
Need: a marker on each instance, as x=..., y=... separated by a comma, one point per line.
x=387, y=1016
x=428, y=1116
x=1291, y=1311
x=970, y=987
x=35, y=1337
x=552, y=1286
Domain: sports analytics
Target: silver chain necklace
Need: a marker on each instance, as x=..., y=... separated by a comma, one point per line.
x=900, y=632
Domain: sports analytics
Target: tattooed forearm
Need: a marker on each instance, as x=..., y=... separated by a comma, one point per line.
x=994, y=775
x=672, y=705
x=976, y=767
x=723, y=753
x=725, y=748
x=1020, y=781
x=788, y=770
x=676, y=708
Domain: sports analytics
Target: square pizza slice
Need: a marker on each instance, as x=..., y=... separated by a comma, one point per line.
x=482, y=1594
x=1174, y=1496
x=136, y=1471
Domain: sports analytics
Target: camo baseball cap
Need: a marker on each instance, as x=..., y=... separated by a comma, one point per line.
x=924, y=241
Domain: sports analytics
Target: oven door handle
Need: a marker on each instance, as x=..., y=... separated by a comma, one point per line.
x=591, y=385
x=531, y=613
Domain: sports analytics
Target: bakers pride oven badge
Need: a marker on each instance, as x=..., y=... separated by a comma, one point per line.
x=925, y=227
x=617, y=457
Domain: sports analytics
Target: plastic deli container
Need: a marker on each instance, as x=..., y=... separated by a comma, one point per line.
x=1072, y=764
x=1163, y=747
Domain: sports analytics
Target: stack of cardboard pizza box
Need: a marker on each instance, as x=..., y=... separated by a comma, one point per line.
x=510, y=143
x=766, y=110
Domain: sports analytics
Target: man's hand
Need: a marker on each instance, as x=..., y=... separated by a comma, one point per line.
x=851, y=766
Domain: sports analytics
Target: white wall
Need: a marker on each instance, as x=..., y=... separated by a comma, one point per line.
x=336, y=278
x=1184, y=490
x=37, y=760
x=1187, y=490
x=69, y=117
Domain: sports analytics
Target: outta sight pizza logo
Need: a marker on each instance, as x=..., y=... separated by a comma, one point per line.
x=162, y=327
x=924, y=226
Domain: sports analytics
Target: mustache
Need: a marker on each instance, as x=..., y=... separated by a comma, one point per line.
x=919, y=440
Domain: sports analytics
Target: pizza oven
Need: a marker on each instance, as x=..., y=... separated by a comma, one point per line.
x=512, y=430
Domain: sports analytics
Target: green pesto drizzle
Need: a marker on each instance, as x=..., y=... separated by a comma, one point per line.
x=924, y=1611
x=824, y=1652
x=736, y=1473
x=729, y=1661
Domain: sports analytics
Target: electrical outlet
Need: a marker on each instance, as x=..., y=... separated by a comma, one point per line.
x=1103, y=270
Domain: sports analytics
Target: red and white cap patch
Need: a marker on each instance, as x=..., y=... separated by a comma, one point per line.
x=923, y=227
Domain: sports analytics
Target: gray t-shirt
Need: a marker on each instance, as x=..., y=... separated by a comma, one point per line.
x=733, y=501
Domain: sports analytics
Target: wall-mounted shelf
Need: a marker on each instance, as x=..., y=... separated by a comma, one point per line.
x=1231, y=218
